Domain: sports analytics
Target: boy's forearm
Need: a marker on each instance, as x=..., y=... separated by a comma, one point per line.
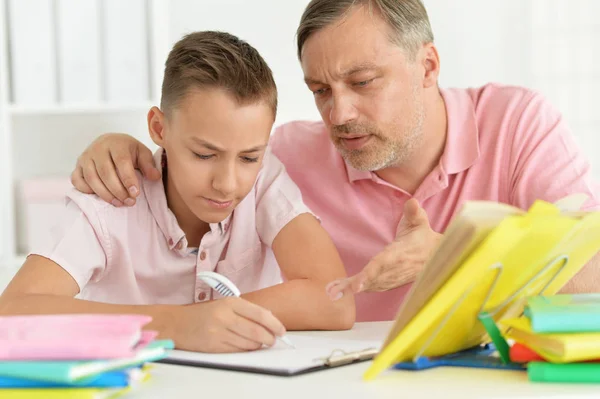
x=163, y=318
x=302, y=304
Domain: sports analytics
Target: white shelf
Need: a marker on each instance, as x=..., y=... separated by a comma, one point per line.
x=67, y=109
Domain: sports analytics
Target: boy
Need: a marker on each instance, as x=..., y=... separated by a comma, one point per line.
x=224, y=202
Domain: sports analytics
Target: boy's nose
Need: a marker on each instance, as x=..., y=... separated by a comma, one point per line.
x=225, y=183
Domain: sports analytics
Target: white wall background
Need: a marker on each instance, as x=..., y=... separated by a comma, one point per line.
x=550, y=45
x=547, y=45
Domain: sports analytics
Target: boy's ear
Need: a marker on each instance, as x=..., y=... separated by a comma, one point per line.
x=156, y=126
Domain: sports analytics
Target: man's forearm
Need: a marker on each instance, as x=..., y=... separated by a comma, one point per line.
x=587, y=280
x=304, y=305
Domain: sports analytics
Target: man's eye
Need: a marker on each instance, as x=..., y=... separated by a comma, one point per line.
x=203, y=156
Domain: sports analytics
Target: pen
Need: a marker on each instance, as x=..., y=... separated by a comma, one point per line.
x=226, y=287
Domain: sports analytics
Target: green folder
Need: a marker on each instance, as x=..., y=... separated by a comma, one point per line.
x=568, y=372
x=71, y=371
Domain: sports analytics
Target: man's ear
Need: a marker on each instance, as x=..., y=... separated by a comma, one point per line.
x=156, y=126
x=430, y=60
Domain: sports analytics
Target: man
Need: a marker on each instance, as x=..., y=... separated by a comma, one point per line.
x=394, y=157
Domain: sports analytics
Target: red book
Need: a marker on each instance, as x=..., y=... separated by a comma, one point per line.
x=519, y=353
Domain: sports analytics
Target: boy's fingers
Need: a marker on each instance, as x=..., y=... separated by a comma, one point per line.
x=239, y=343
x=260, y=316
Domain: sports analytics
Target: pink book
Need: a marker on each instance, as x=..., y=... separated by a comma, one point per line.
x=72, y=337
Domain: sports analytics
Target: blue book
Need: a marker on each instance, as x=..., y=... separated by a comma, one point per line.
x=68, y=372
x=110, y=379
x=564, y=313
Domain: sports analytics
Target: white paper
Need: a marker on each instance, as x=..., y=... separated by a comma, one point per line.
x=309, y=352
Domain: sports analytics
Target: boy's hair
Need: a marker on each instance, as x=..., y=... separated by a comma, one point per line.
x=212, y=59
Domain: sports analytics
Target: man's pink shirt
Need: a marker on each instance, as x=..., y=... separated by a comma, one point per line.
x=504, y=144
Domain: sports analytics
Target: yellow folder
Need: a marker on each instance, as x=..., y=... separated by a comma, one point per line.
x=62, y=393
x=556, y=348
x=541, y=250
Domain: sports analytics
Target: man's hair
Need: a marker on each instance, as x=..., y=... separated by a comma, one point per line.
x=220, y=60
x=407, y=19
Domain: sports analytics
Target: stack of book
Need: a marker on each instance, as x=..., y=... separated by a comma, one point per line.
x=82, y=356
x=559, y=338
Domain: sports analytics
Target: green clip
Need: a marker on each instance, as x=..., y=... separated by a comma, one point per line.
x=497, y=338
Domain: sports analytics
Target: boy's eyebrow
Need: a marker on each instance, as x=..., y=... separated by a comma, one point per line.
x=213, y=147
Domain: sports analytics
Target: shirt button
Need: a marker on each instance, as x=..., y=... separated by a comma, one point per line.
x=170, y=241
x=179, y=245
x=202, y=296
x=202, y=255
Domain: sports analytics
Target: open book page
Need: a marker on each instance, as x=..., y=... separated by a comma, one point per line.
x=310, y=352
x=473, y=223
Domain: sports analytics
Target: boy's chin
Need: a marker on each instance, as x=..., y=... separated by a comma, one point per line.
x=213, y=217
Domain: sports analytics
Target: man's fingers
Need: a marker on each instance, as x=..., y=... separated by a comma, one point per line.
x=357, y=283
x=126, y=175
x=95, y=183
x=335, y=289
x=413, y=215
x=260, y=316
x=146, y=163
x=78, y=181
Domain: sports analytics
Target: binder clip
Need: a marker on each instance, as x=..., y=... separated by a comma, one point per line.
x=494, y=355
x=339, y=357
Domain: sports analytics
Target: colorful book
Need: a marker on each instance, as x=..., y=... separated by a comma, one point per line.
x=520, y=353
x=564, y=313
x=72, y=336
x=67, y=372
x=487, y=276
x=555, y=348
x=63, y=393
x=110, y=379
x=574, y=372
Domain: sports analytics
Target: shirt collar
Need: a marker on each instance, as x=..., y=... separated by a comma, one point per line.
x=165, y=218
x=462, y=138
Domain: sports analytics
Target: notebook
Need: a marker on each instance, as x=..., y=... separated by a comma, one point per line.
x=109, y=379
x=564, y=313
x=72, y=336
x=491, y=258
x=70, y=371
x=311, y=354
x=556, y=348
x=67, y=393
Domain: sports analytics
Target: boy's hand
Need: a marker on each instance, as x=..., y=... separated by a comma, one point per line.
x=107, y=168
x=226, y=325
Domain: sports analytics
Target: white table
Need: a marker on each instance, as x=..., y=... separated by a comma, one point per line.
x=346, y=382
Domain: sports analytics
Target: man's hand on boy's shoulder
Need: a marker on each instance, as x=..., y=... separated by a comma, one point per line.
x=107, y=168
x=225, y=325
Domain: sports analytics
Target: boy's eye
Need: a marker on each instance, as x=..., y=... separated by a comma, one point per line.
x=203, y=156
x=250, y=159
